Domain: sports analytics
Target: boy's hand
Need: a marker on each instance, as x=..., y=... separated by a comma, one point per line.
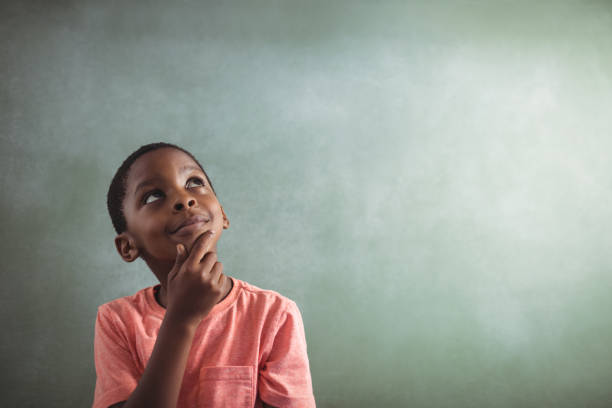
x=195, y=282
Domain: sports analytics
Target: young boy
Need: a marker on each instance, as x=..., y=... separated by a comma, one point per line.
x=200, y=338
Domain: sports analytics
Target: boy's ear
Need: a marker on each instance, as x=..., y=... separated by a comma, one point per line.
x=126, y=247
x=225, y=220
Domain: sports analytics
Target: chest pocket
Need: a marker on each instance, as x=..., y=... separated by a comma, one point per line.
x=227, y=386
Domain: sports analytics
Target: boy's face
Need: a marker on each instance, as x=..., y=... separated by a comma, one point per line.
x=164, y=188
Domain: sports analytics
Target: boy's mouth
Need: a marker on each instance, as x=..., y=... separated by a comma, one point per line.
x=191, y=224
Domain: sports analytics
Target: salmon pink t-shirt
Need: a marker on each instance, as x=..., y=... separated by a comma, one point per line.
x=250, y=348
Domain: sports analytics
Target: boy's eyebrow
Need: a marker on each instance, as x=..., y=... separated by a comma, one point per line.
x=184, y=169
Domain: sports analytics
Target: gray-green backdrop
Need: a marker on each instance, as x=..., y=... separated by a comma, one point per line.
x=430, y=181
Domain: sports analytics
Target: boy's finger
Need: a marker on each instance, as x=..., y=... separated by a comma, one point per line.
x=180, y=258
x=221, y=276
x=172, y=274
x=216, y=272
x=180, y=254
x=207, y=263
x=201, y=247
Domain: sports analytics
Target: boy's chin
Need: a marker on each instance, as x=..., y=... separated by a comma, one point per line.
x=189, y=241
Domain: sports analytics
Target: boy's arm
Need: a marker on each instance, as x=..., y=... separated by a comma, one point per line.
x=161, y=381
x=193, y=288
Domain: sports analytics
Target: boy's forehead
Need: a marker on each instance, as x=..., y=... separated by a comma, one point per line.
x=158, y=163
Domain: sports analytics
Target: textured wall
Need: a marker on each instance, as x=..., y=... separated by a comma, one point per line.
x=430, y=181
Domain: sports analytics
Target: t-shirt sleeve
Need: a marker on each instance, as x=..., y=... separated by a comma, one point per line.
x=284, y=379
x=116, y=374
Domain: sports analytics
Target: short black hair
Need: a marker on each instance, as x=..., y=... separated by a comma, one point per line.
x=117, y=190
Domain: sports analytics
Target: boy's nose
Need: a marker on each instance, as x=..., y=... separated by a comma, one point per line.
x=180, y=204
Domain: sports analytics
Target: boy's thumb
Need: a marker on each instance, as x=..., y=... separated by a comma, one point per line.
x=180, y=250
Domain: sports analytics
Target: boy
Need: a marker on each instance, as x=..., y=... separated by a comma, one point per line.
x=200, y=338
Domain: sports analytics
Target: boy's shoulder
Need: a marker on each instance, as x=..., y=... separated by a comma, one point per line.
x=134, y=302
x=268, y=294
x=253, y=297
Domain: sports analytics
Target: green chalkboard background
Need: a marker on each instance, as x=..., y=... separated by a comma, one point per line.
x=430, y=181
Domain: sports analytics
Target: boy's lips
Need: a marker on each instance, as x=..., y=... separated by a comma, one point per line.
x=190, y=221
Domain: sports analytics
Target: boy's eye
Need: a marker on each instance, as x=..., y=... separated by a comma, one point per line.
x=151, y=194
x=146, y=200
x=196, y=179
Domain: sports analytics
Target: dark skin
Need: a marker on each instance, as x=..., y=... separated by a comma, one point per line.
x=183, y=260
